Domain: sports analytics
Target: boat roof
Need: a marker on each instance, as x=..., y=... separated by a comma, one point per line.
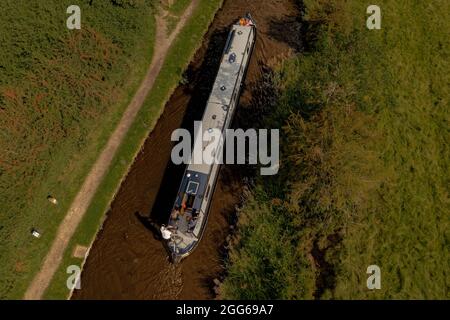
x=224, y=87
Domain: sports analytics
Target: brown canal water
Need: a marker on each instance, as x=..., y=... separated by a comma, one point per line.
x=127, y=260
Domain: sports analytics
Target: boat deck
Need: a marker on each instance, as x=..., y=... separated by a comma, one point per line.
x=183, y=233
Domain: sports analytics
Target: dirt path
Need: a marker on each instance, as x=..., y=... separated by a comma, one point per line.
x=95, y=176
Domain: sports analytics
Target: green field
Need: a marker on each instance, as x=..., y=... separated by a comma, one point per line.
x=364, y=173
x=61, y=94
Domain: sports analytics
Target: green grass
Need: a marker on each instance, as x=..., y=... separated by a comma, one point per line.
x=56, y=87
x=176, y=62
x=365, y=162
x=178, y=6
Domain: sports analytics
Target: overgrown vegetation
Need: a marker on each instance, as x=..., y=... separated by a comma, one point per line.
x=61, y=94
x=365, y=162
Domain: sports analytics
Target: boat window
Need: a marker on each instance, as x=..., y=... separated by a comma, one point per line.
x=229, y=41
x=187, y=202
x=234, y=96
x=192, y=188
x=190, y=201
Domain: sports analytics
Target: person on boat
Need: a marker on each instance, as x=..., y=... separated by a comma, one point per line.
x=191, y=224
x=166, y=232
x=175, y=214
x=245, y=22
